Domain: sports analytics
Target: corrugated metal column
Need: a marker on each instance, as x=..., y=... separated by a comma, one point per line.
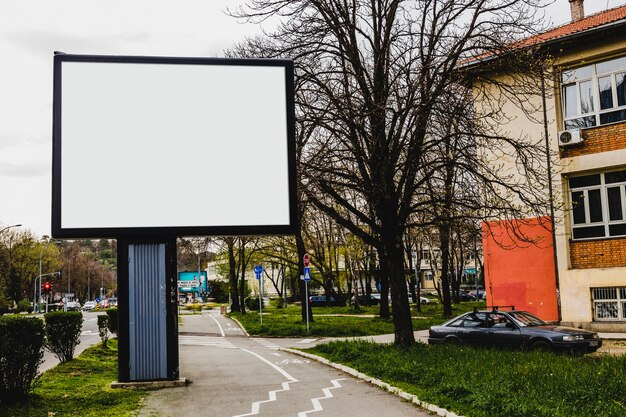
x=147, y=312
x=148, y=327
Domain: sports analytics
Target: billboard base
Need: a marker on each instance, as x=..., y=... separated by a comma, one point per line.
x=147, y=318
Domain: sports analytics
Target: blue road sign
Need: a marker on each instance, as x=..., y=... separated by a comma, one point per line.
x=307, y=273
x=258, y=270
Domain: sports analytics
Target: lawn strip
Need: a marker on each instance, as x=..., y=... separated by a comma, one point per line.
x=80, y=387
x=495, y=383
x=337, y=321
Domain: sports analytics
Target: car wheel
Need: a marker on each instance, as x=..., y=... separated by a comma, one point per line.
x=424, y=302
x=452, y=341
x=541, y=346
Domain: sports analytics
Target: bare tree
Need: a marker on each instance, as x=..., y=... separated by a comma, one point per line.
x=372, y=76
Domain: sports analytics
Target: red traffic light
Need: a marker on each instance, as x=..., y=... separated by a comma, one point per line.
x=46, y=286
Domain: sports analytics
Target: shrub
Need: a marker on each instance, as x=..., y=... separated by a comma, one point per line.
x=24, y=305
x=63, y=333
x=219, y=290
x=103, y=324
x=252, y=303
x=113, y=323
x=193, y=307
x=21, y=353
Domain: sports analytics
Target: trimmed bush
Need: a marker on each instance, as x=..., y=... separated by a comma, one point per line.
x=252, y=303
x=63, y=333
x=103, y=324
x=24, y=305
x=21, y=352
x=113, y=323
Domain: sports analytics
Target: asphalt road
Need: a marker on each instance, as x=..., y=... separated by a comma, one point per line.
x=237, y=376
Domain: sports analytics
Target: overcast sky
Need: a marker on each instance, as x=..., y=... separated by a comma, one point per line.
x=30, y=30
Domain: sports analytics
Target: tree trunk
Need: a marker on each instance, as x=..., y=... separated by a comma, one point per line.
x=383, y=281
x=242, y=281
x=403, y=326
x=444, y=233
x=232, y=273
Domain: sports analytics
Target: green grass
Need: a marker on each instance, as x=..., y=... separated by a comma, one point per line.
x=80, y=387
x=285, y=322
x=493, y=383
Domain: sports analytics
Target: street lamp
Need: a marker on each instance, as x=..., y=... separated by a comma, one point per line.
x=69, y=278
x=8, y=227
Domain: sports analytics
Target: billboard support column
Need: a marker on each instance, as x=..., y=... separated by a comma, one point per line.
x=148, y=330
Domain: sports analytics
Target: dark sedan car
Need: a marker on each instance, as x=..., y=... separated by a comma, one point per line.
x=374, y=301
x=513, y=328
x=320, y=301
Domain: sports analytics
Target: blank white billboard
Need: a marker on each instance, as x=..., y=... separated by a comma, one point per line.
x=184, y=146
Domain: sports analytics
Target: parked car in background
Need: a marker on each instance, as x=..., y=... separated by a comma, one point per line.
x=105, y=303
x=424, y=300
x=113, y=301
x=374, y=301
x=482, y=295
x=465, y=296
x=514, y=329
x=73, y=306
x=320, y=301
x=89, y=306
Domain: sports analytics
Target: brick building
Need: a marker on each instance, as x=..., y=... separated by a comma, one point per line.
x=585, y=116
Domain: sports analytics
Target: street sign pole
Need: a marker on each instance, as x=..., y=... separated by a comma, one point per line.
x=306, y=294
x=307, y=278
x=258, y=270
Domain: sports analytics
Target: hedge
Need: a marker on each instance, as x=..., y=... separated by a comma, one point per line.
x=112, y=313
x=21, y=352
x=63, y=333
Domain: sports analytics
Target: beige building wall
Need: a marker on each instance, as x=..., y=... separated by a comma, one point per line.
x=575, y=284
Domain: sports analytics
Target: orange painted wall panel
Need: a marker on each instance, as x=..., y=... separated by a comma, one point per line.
x=519, y=273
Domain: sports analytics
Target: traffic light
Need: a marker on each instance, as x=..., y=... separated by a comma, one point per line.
x=47, y=287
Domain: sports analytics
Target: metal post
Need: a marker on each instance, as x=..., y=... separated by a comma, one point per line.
x=35, y=296
x=306, y=297
x=40, y=262
x=199, y=275
x=476, y=268
x=417, y=281
x=261, y=299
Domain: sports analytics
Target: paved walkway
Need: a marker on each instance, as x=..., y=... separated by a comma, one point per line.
x=235, y=375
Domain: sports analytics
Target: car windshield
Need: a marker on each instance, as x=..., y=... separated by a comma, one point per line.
x=526, y=319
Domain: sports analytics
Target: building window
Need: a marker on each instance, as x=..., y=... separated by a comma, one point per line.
x=609, y=303
x=598, y=205
x=595, y=94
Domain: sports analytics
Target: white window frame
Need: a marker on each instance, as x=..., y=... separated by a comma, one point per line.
x=604, y=198
x=601, y=301
x=595, y=76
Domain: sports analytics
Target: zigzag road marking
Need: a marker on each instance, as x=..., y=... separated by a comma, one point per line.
x=317, y=406
x=256, y=406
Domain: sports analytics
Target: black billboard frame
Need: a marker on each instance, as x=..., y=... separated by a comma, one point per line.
x=58, y=231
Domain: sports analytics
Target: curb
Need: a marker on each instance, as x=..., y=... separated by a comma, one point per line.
x=240, y=325
x=378, y=383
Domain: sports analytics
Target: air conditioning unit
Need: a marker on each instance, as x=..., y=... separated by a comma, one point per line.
x=570, y=137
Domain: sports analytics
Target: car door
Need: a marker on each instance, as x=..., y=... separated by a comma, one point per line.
x=502, y=331
x=473, y=331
